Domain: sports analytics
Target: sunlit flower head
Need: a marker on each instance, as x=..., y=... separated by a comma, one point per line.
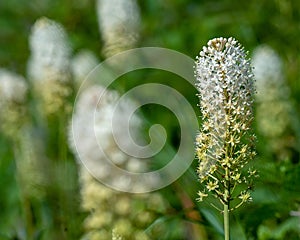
x=226, y=88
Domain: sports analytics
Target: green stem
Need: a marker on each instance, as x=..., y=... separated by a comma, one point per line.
x=22, y=159
x=226, y=222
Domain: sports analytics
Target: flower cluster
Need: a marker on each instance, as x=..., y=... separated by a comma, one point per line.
x=273, y=122
x=113, y=213
x=268, y=72
x=119, y=22
x=92, y=135
x=126, y=214
x=49, y=65
x=225, y=144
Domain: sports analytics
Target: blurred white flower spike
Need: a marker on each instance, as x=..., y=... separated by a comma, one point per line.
x=276, y=122
x=93, y=135
x=49, y=64
x=268, y=72
x=119, y=24
x=98, y=120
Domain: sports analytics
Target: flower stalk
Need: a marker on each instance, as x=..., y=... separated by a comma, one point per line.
x=225, y=145
x=226, y=222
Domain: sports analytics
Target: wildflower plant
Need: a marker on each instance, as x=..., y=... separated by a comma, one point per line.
x=276, y=123
x=225, y=144
x=49, y=66
x=50, y=75
x=112, y=214
x=15, y=124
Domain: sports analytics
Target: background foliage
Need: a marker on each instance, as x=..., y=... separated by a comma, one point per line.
x=185, y=26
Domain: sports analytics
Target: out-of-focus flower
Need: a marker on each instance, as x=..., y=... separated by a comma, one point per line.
x=13, y=97
x=224, y=145
x=274, y=108
x=15, y=124
x=97, y=144
x=126, y=214
x=49, y=65
x=123, y=213
x=268, y=72
x=82, y=64
x=119, y=23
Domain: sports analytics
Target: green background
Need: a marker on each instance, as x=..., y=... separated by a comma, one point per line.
x=184, y=26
